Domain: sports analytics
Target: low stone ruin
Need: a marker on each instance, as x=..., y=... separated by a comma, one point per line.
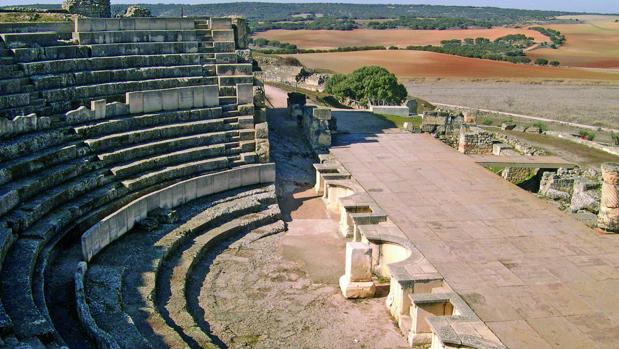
x=574, y=190
x=316, y=122
x=475, y=140
x=137, y=11
x=88, y=8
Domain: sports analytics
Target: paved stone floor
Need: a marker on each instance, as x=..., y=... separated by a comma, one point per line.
x=536, y=276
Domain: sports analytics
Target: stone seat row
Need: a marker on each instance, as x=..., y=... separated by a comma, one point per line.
x=168, y=258
x=425, y=307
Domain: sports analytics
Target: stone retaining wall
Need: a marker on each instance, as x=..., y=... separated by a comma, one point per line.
x=117, y=224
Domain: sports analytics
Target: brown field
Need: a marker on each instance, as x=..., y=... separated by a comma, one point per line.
x=419, y=64
x=325, y=39
x=592, y=44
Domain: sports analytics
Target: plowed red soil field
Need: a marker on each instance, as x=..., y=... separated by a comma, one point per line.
x=325, y=39
x=416, y=64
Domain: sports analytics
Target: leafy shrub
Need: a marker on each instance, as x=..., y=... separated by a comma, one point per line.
x=588, y=135
x=555, y=63
x=541, y=125
x=615, y=138
x=487, y=121
x=541, y=61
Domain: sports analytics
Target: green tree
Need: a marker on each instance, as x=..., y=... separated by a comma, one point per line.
x=541, y=61
x=367, y=85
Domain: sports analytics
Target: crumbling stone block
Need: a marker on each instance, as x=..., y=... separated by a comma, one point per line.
x=357, y=280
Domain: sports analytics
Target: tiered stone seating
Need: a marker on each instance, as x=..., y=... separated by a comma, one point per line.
x=171, y=117
x=97, y=60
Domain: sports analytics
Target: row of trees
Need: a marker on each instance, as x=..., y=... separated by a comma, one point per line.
x=555, y=36
x=326, y=23
x=429, y=23
x=368, y=85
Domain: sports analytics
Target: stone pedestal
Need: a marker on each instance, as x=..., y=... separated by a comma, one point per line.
x=608, y=217
x=357, y=280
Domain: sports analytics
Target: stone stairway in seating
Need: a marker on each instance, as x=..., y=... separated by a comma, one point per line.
x=156, y=314
x=95, y=114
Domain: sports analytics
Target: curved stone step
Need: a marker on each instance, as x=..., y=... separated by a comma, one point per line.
x=178, y=171
x=113, y=62
x=84, y=78
x=23, y=166
x=33, y=143
x=161, y=132
x=158, y=147
x=133, y=122
x=177, y=157
x=103, y=289
x=177, y=271
x=86, y=93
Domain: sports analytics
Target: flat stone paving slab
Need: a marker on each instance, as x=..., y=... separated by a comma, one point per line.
x=537, y=277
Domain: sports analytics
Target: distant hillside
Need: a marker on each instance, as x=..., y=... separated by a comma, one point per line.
x=281, y=11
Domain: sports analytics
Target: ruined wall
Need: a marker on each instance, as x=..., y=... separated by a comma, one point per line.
x=316, y=127
x=88, y=8
x=474, y=140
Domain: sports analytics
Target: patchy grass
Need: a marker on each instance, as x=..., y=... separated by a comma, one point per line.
x=320, y=98
x=399, y=121
x=14, y=17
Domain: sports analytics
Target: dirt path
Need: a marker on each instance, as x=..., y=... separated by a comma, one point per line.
x=528, y=117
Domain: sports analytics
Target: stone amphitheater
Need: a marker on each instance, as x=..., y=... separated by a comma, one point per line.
x=137, y=170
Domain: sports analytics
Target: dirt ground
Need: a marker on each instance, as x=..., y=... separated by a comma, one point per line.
x=282, y=291
x=573, y=101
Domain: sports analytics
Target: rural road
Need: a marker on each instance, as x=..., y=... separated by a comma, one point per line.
x=529, y=117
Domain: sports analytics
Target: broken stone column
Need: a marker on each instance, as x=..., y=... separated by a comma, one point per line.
x=608, y=217
x=357, y=280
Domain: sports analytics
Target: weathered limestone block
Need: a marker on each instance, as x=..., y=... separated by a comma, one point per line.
x=221, y=22
x=241, y=32
x=244, y=93
x=554, y=181
x=262, y=142
x=23, y=124
x=586, y=196
x=224, y=46
x=357, y=280
x=412, y=106
x=79, y=115
x=260, y=115
x=608, y=217
x=517, y=175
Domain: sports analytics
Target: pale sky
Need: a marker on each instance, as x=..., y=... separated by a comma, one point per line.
x=601, y=6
